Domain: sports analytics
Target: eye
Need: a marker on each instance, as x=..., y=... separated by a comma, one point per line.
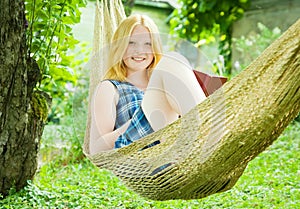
x=148, y=44
x=131, y=43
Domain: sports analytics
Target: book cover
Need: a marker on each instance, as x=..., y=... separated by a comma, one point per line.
x=209, y=83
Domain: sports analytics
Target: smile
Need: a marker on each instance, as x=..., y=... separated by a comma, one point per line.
x=138, y=58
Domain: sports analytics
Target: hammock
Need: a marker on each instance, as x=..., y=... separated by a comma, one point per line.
x=206, y=151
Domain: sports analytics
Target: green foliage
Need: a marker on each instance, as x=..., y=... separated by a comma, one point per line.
x=251, y=46
x=128, y=5
x=62, y=144
x=51, y=43
x=205, y=21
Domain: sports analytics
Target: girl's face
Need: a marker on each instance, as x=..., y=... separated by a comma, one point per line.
x=139, y=54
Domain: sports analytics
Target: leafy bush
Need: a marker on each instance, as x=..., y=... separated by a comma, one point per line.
x=205, y=21
x=52, y=44
x=250, y=47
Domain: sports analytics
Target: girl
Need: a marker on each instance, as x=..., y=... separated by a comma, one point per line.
x=143, y=89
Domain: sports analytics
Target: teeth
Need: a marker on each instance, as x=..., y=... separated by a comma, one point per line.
x=138, y=58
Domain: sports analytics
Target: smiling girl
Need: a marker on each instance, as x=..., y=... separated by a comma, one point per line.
x=143, y=90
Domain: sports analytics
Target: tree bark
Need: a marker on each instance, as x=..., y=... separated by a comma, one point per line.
x=22, y=109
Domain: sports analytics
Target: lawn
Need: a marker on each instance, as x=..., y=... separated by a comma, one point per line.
x=272, y=180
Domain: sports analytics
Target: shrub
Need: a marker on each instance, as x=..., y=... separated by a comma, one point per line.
x=251, y=46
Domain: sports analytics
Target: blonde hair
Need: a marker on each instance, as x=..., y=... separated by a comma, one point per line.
x=116, y=68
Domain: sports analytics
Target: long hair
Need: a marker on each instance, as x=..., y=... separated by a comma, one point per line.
x=116, y=67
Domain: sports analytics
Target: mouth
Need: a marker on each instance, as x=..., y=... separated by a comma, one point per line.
x=138, y=59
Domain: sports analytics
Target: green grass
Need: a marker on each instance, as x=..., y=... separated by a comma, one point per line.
x=272, y=180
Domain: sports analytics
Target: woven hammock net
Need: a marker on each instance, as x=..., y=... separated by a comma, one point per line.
x=207, y=150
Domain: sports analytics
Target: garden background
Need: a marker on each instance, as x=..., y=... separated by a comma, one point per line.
x=66, y=179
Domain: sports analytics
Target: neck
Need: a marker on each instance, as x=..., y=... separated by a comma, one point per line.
x=139, y=79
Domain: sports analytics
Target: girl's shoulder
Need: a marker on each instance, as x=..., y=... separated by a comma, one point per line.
x=106, y=87
x=106, y=91
x=112, y=81
x=107, y=84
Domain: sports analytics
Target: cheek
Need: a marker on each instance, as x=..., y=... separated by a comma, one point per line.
x=125, y=62
x=125, y=57
x=151, y=55
x=148, y=50
x=127, y=53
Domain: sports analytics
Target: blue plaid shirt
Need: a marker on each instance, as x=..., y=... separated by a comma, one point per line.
x=129, y=107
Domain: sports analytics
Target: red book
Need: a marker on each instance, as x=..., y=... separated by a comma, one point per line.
x=209, y=83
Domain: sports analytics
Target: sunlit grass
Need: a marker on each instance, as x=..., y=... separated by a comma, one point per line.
x=272, y=180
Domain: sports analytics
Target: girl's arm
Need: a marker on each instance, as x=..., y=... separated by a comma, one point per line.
x=103, y=117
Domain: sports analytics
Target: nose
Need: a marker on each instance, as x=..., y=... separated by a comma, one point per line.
x=139, y=48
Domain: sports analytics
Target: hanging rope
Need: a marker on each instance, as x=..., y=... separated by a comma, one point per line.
x=108, y=15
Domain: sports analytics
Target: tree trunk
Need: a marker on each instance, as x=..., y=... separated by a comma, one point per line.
x=22, y=109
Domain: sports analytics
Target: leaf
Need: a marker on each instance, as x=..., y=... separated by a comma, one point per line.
x=67, y=20
x=42, y=14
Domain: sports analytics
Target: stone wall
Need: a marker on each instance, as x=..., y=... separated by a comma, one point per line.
x=271, y=13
